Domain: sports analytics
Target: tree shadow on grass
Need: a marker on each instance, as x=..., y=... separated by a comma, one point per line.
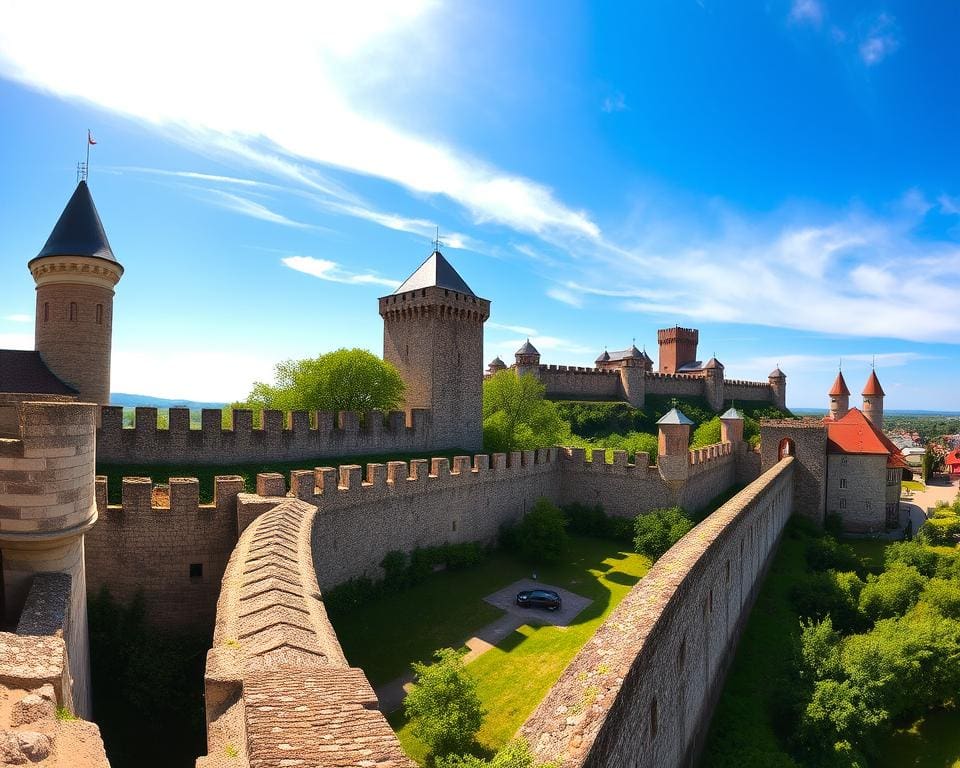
x=618, y=577
x=932, y=742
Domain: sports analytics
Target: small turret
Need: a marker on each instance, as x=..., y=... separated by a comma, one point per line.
x=778, y=385
x=731, y=427
x=528, y=360
x=75, y=273
x=496, y=365
x=873, y=400
x=673, y=446
x=713, y=373
x=631, y=377
x=839, y=398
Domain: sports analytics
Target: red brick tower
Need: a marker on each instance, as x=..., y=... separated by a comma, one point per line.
x=678, y=346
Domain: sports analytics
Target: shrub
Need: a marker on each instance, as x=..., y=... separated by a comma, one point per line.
x=443, y=704
x=541, y=536
x=944, y=596
x=656, y=531
x=912, y=553
x=941, y=529
x=349, y=595
x=514, y=754
x=892, y=592
x=585, y=521
x=394, y=566
x=829, y=595
x=826, y=552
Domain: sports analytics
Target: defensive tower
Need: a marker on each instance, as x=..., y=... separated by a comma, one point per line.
x=778, y=383
x=839, y=398
x=433, y=334
x=527, y=360
x=678, y=346
x=75, y=273
x=873, y=400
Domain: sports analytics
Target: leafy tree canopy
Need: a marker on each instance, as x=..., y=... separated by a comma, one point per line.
x=516, y=416
x=444, y=706
x=343, y=380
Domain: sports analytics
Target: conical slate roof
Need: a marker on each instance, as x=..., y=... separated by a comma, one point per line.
x=776, y=373
x=79, y=231
x=604, y=357
x=435, y=272
x=839, y=386
x=732, y=413
x=527, y=349
x=872, y=387
x=497, y=363
x=674, y=416
x=713, y=363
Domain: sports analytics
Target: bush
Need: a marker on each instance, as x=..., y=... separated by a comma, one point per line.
x=944, y=596
x=941, y=529
x=912, y=553
x=892, y=592
x=443, y=705
x=541, y=537
x=394, y=566
x=514, y=754
x=827, y=553
x=830, y=595
x=656, y=531
x=349, y=595
x=593, y=521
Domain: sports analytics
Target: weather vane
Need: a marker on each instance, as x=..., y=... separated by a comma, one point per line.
x=83, y=169
x=436, y=242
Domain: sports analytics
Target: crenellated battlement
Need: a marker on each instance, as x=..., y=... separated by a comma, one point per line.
x=578, y=369
x=282, y=436
x=744, y=383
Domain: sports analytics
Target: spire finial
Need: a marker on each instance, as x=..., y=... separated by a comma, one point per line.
x=83, y=169
x=436, y=242
x=840, y=367
x=873, y=363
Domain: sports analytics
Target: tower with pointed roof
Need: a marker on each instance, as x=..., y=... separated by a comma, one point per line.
x=433, y=334
x=839, y=398
x=778, y=385
x=632, y=380
x=873, y=400
x=527, y=360
x=713, y=383
x=75, y=273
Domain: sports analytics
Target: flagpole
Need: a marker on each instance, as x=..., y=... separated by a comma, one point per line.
x=88, y=153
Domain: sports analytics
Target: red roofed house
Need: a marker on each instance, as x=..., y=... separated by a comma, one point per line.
x=864, y=468
x=952, y=463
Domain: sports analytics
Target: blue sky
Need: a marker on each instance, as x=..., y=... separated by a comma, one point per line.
x=781, y=175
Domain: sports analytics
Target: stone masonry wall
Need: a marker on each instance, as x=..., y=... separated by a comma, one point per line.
x=580, y=383
x=673, y=385
x=807, y=440
x=640, y=694
x=140, y=547
x=746, y=391
x=283, y=436
x=857, y=491
x=626, y=489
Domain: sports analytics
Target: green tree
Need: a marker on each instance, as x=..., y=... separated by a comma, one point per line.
x=542, y=534
x=443, y=705
x=517, y=417
x=892, y=592
x=343, y=380
x=514, y=754
x=658, y=530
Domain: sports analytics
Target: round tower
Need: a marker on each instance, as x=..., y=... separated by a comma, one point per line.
x=713, y=383
x=75, y=273
x=631, y=377
x=496, y=365
x=778, y=387
x=433, y=334
x=528, y=360
x=873, y=400
x=839, y=398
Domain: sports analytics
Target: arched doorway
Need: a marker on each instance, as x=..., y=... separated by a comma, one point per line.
x=787, y=448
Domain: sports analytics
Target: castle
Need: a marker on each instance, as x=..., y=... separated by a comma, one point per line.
x=628, y=375
x=252, y=566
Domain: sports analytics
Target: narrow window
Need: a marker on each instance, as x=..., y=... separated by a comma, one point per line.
x=99, y=314
x=867, y=506
x=653, y=718
x=196, y=571
x=454, y=525
x=682, y=656
x=728, y=571
x=710, y=602
x=46, y=311
x=843, y=483
x=843, y=503
x=73, y=311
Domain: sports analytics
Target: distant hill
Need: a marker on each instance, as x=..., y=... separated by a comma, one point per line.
x=130, y=401
x=887, y=412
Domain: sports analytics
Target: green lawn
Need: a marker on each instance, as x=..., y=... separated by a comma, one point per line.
x=161, y=473
x=912, y=485
x=386, y=635
x=870, y=551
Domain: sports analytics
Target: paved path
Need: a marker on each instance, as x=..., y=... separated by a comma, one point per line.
x=391, y=695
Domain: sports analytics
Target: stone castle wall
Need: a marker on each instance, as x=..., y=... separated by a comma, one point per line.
x=580, y=383
x=140, y=547
x=282, y=437
x=807, y=440
x=641, y=692
x=673, y=385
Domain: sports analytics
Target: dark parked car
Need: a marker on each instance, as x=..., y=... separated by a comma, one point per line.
x=538, y=598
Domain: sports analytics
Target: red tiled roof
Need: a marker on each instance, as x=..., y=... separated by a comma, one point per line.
x=839, y=386
x=855, y=433
x=872, y=387
x=952, y=459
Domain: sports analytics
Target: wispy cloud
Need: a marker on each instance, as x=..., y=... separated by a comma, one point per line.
x=255, y=115
x=545, y=346
x=424, y=227
x=881, y=39
x=17, y=318
x=191, y=175
x=512, y=328
x=565, y=296
x=332, y=271
x=614, y=102
x=806, y=12
x=255, y=210
x=949, y=205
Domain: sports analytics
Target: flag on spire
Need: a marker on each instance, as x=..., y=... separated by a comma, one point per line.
x=90, y=139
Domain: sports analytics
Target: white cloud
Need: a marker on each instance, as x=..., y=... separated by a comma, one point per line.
x=949, y=205
x=545, y=345
x=190, y=175
x=16, y=341
x=566, y=297
x=294, y=102
x=880, y=40
x=208, y=375
x=394, y=221
x=19, y=318
x=615, y=102
x=252, y=209
x=512, y=328
x=806, y=12
x=332, y=271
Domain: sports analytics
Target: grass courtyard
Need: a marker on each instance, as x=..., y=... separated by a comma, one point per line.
x=385, y=635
